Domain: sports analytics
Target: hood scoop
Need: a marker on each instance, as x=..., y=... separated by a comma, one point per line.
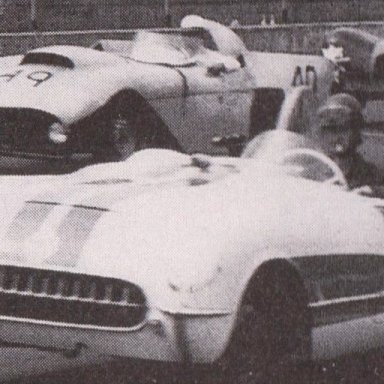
x=46, y=58
x=69, y=57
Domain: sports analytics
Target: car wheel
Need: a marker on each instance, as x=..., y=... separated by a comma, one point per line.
x=272, y=334
x=115, y=134
x=123, y=137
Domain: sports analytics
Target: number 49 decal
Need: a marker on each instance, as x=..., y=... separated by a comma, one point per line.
x=36, y=77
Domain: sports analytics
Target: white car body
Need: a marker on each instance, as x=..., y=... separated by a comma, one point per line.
x=189, y=232
x=201, y=73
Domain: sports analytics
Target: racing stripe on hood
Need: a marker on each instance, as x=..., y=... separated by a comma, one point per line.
x=37, y=218
x=76, y=228
x=62, y=220
x=73, y=233
x=23, y=226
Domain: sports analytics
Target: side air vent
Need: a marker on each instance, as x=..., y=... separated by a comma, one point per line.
x=71, y=299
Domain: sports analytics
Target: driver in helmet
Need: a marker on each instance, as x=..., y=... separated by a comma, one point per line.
x=338, y=124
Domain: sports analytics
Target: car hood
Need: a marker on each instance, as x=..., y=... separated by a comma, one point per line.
x=76, y=92
x=179, y=222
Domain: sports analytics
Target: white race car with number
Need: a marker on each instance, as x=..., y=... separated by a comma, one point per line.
x=188, y=89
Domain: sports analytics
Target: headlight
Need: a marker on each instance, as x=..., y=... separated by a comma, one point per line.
x=57, y=133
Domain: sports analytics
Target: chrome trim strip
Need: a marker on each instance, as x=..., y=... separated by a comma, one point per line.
x=76, y=326
x=347, y=299
x=197, y=312
x=328, y=312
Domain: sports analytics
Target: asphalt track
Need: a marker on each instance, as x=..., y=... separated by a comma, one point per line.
x=368, y=369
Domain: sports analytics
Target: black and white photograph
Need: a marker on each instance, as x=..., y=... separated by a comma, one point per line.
x=192, y=191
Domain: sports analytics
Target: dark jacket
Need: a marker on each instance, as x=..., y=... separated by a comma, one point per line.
x=364, y=173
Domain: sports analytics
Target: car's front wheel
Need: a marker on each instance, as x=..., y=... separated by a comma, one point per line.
x=124, y=131
x=272, y=333
x=123, y=137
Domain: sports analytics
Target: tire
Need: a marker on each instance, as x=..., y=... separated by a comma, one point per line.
x=126, y=127
x=272, y=333
x=116, y=134
x=123, y=137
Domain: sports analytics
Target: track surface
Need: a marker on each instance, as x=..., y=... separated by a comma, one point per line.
x=367, y=369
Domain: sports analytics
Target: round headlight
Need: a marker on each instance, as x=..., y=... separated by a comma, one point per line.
x=57, y=133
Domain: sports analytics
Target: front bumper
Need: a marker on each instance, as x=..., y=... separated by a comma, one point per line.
x=161, y=337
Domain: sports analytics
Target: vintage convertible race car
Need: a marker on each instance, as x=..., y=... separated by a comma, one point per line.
x=241, y=263
x=192, y=89
x=183, y=89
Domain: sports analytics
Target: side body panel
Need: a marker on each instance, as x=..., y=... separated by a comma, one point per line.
x=282, y=70
x=214, y=106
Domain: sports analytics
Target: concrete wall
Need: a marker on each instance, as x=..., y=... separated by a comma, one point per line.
x=299, y=38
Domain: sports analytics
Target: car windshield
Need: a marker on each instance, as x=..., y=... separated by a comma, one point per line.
x=295, y=154
x=165, y=48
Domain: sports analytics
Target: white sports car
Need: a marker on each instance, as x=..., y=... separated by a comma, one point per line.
x=193, y=259
x=177, y=89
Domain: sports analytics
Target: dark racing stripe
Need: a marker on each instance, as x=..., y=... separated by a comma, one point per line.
x=24, y=225
x=76, y=228
x=27, y=221
x=30, y=219
x=78, y=223
x=73, y=233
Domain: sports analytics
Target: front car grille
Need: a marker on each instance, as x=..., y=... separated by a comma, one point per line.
x=62, y=297
x=26, y=130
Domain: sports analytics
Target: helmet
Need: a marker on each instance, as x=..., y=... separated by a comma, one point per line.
x=340, y=116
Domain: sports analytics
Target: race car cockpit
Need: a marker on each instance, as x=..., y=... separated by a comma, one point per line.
x=300, y=156
x=178, y=50
x=198, y=42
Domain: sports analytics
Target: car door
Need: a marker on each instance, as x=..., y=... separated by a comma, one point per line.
x=217, y=104
x=346, y=295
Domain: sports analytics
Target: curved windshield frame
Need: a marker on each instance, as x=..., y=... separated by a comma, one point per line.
x=295, y=154
x=165, y=48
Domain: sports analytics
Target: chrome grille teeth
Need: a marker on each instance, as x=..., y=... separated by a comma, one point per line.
x=60, y=288
x=125, y=296
x=44, y=288
x=70, y=298
x=30, y=281
x=15, y=280
x=108, y=292
x=2, y=279
x=92, y=294
x=76, y=288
